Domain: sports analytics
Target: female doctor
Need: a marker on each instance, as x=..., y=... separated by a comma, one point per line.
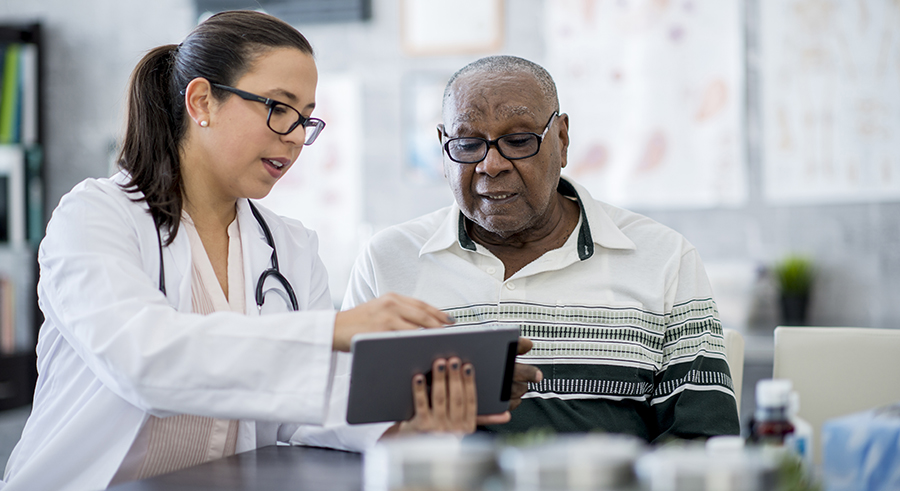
x=154, y=354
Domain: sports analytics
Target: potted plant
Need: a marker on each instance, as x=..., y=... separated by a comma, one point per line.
x=795, y=276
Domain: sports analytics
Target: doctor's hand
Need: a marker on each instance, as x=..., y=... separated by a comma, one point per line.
x=389, y=312
x=522, y=375
x=454, y=405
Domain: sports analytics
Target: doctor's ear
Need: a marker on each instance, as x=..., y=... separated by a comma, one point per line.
x=198, y=101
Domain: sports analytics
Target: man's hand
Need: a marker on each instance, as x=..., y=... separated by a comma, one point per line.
x=389, y=312
x=522, y=375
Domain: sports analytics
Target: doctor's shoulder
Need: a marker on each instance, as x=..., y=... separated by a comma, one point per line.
x=99, y=204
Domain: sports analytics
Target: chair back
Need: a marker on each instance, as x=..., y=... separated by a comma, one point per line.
x=838, y=371
x=734, y=354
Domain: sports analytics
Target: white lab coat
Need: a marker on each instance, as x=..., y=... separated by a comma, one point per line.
x=114, y=350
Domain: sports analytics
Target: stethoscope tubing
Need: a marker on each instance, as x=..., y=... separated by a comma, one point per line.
x=274, y=272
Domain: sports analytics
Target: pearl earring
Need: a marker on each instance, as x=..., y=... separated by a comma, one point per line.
x=204, y=123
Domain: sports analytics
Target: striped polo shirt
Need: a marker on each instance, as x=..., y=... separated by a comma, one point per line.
x=625, y=328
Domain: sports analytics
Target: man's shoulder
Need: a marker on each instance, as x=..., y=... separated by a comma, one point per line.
x=412, y=233
x=642, y=230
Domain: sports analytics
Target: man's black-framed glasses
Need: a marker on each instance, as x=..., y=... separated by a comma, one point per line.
x=514, y=146
x=282, y=118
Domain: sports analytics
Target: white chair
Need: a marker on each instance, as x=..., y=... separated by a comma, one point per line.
x=734, y=354
x=838, y=371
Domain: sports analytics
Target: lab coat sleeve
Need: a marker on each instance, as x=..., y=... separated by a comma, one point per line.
x=94, y=287
x=336, y=432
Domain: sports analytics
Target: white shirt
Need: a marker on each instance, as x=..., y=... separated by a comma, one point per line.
x=606, y=312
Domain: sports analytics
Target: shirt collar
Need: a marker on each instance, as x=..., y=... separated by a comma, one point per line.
x=597, y=227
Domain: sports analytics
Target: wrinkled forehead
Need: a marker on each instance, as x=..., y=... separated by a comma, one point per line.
x=494, y=96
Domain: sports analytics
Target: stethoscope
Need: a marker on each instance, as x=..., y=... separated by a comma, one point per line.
x=272, y=272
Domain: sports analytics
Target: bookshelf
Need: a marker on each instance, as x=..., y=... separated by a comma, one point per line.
x=22, y=219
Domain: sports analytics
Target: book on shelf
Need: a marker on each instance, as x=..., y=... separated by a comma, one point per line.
x=7, y=316
x=28, y=79
x=19, y=93
x=34, y=195
x=21, y=195
x=9, y=95
x=12, y=195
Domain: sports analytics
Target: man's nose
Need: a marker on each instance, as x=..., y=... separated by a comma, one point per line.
x=493, y=164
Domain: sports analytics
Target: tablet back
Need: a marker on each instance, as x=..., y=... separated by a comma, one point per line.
x=385, y=363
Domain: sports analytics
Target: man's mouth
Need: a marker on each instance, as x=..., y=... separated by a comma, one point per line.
x=498, y=197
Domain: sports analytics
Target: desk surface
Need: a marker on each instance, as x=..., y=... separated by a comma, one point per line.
x=275, y=468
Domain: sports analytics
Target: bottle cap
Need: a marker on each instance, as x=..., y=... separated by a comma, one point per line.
x=773, y=392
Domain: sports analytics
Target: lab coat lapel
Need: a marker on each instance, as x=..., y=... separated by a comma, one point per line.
x=257, y=258
x=257, y=253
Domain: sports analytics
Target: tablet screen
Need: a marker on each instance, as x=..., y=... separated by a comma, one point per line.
x=384, y=364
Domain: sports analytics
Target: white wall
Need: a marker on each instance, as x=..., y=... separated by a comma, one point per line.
x=90, y=48
x=92, y=45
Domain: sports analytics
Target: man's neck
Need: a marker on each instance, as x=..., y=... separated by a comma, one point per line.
x=520, y=249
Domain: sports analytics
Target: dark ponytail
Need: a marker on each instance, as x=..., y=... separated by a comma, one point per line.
x=221, y=49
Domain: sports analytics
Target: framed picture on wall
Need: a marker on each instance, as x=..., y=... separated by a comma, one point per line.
x=423, y=92
x=447, y=28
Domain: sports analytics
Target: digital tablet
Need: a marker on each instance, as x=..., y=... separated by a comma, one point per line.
x=384, y=365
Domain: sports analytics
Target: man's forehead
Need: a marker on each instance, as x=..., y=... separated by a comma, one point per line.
x=468, y=113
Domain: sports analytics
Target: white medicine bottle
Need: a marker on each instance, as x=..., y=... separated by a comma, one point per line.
x=771, y=423
x=801, y=440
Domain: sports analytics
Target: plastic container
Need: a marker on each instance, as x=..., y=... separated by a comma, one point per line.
x=584, y=462
x=433, y=462
x=720, y=465
x=801, y=440
x=771, y=423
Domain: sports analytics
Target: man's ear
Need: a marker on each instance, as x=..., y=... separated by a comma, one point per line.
x=563, y=138
x=440, y=135
x=198, y=100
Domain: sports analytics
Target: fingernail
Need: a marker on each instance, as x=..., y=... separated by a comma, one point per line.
x=420, y=380
x=468, y=370
x=540, y=376
x=451, y=319
x=441, y=367
x=454, y=366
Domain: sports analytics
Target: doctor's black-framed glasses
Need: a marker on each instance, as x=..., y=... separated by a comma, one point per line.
x=282, y=118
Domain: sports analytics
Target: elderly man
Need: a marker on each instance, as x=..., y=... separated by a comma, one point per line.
x=619, y=308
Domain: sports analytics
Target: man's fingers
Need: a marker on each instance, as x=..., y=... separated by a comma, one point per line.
x=527, y=373
x=525, y=345
x=522, y=375
x=493, y=419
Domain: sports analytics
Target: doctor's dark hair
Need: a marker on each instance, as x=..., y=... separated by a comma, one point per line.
x=221, y=49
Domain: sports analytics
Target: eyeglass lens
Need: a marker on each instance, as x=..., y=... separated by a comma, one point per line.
x=513, y=146
x=283, y=119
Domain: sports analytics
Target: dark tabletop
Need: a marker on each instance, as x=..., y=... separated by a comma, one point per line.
x=275, y=467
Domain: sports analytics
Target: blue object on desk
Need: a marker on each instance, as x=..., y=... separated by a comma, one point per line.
x=861, y=451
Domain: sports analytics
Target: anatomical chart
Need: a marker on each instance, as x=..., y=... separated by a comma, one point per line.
x=655, y=96
x=830, y=100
